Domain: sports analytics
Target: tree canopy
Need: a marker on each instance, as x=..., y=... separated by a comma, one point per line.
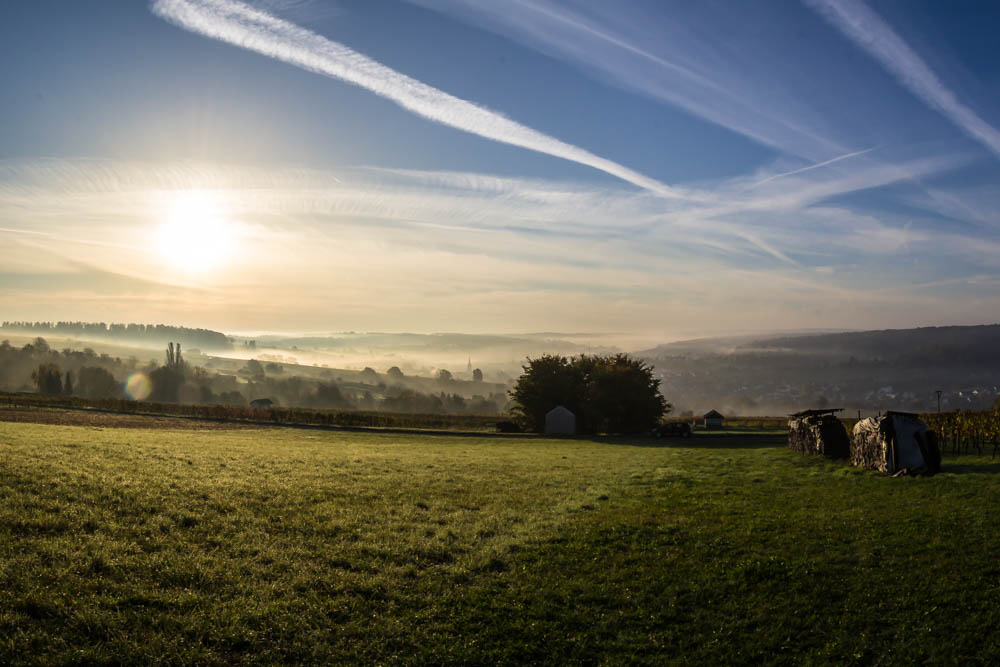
x=608, y=394
x=48, y=379
x=96, y=382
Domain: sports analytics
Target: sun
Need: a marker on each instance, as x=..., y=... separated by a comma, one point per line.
x=195, y=235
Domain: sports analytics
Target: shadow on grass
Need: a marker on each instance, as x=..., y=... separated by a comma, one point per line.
x=744, y=441
x=970, y=468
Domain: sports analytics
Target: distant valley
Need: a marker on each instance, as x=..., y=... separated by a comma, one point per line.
x=898, y=369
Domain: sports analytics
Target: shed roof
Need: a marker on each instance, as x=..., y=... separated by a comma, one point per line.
x=713, y=414
x=810, y=413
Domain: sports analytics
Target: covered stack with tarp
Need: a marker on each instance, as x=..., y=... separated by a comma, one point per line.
x=819, y=432
x=896, y=443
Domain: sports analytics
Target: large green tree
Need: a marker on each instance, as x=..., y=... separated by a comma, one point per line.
x=621, y=395
x=97, y=382
x=167, y=382
x=328, y=396
x=48, y=379
x=608, y=394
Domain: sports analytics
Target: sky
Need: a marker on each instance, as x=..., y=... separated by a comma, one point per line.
x=661, y=169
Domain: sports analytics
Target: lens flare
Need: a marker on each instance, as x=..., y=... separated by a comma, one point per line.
x=138, y=386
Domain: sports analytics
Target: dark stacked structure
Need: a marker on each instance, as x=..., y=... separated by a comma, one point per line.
x=819, y=432
x=896, y=443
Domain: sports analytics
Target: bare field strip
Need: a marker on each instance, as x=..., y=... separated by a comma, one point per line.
x=61, y=417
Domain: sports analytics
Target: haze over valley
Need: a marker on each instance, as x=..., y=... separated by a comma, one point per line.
x=746, y=375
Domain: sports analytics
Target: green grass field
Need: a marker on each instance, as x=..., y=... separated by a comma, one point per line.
x=126, y=545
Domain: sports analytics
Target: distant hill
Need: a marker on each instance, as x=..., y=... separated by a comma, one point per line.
x=397, y=341
x=859, y=370
x=929, y=344
x=725, y=344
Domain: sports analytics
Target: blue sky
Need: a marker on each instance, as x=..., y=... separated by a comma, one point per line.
x=660, y=168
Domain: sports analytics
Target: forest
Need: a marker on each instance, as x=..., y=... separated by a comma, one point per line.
x=149, y=334
x=37, y=367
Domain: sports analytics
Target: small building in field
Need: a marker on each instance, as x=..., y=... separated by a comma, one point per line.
x=897, y=443
x=261, y=403
x=560, y=421
x=819, y=432
x=713, y=419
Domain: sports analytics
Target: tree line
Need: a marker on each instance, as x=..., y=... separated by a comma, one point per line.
x=607, y=394
x=38, y=367
x=150, y=333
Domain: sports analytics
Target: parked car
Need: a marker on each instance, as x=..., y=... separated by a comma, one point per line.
x=508, y=427
x=672, y=430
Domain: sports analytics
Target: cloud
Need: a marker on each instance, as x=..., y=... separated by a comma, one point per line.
x=701, y=59
x=547, y=221
x=468, y=251
x=818, y=165
x=241, y=25
x=866, y=29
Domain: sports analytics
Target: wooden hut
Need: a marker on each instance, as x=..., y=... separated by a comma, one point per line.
x=818, y=432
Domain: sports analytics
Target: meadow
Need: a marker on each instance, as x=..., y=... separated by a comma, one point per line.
x=260, y=545
x=272, y=416
x=318, y=417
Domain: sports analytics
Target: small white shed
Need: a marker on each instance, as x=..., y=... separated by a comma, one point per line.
x=713, y=419
x=560, y=421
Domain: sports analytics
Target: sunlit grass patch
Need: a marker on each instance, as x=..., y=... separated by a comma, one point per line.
x=278, y=545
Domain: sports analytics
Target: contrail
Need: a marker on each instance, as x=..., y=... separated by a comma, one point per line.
x=241, y=25
x=813, y=166
x=69, y=239
x=871, y=33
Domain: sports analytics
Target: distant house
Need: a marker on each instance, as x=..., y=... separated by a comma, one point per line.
x=261, y=403
x=713, y=419
x=560, y=421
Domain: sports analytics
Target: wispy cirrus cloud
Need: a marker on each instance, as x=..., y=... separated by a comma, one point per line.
x=697, y=60
x=866, y=29
x=533, y=218
x=433, y=246
x=249, y=28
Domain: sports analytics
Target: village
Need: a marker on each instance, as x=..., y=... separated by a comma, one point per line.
x=730, y=390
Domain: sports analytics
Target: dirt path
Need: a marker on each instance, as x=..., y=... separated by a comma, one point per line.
x=113, y=420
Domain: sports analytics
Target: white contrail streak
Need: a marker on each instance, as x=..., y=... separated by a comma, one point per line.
x=871, y=33
x=241, y=25
x=813, y=166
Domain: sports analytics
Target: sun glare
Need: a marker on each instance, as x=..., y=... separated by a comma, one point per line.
x=195, y=235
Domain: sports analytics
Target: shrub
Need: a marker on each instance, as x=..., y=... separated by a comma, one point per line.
x=608, y=394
